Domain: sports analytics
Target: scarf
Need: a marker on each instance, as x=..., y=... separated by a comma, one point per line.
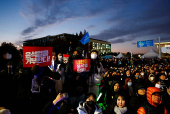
x=118, y=110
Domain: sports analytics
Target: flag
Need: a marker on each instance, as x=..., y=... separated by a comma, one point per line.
x=85, y=38
x=131, y=53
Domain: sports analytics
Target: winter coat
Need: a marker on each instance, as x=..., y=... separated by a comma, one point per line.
x=96, y=73
x=113, y=112
x=110, y=95
x=82, y=110
x=136, y=102
x=130, y=89
x=59, y=108
x=149, y=107
x=166, y=101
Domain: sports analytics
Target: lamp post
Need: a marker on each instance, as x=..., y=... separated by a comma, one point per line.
x=159, y=47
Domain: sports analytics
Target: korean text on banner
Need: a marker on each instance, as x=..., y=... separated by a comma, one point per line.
x=65, y=58
x=85, y=38
x=37, y=55
x=81, y=65
x=146, y=43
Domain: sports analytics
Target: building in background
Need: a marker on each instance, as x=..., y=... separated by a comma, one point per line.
x=103, y=47
x=165, y=47
x=67, y=43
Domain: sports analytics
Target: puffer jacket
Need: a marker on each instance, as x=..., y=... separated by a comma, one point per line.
x=82, y=110
x=149, y=107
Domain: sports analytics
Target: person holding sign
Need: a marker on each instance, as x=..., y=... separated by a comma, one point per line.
x=96, y=73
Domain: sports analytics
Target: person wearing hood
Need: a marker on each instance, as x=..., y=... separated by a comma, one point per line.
x=96, y=73
x=151, y=80
x=110, y=95
x=139, y=99
x=153, y=104
x=89, y=106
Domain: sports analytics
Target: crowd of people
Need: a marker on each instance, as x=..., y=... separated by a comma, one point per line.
x=112, y=86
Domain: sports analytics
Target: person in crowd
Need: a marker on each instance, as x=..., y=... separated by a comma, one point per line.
x=23, y=78
x=69, y=66
x=151, y=80
x=129, y=86
x=35, y=89
x=60, y=69
x=166, y=98
x=76, y=83
x=153, y=104
x=89, y=106
x=96, y=73
x=128, y=74
x=120, y=105
x=110, y=95
x=77, y=88
x=53, y=62
x=60, y=105
x=140, y=97
x=162, y=80
x=107, y=64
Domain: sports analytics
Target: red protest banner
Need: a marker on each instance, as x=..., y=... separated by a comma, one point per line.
x=81, y=65
x=65, y=58
x=37, y=55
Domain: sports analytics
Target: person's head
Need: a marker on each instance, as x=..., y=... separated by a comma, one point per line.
x=162, y=76
x=128, y=72
x=114, y=73
x=53, y=57
x=116, y=86
x=168, y=88
x=151, y=77
x=75, y=53
x=121, y=100
x=137, y=75
x=35, y=69
x=94, y=54
x=90, y=100
x=60, y=57
x=141, y=91
x=128, y=81
x=142, y=73
x=154, y=96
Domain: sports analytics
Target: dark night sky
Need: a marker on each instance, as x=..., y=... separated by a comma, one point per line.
x=121, y=22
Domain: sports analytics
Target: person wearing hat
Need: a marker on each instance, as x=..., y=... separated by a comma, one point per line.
x=153, y=104
x=140, y=97
x=96, y=73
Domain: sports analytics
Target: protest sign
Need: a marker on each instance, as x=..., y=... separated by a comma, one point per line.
x=37, y=55
x=81, y=65
x=65, y=58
